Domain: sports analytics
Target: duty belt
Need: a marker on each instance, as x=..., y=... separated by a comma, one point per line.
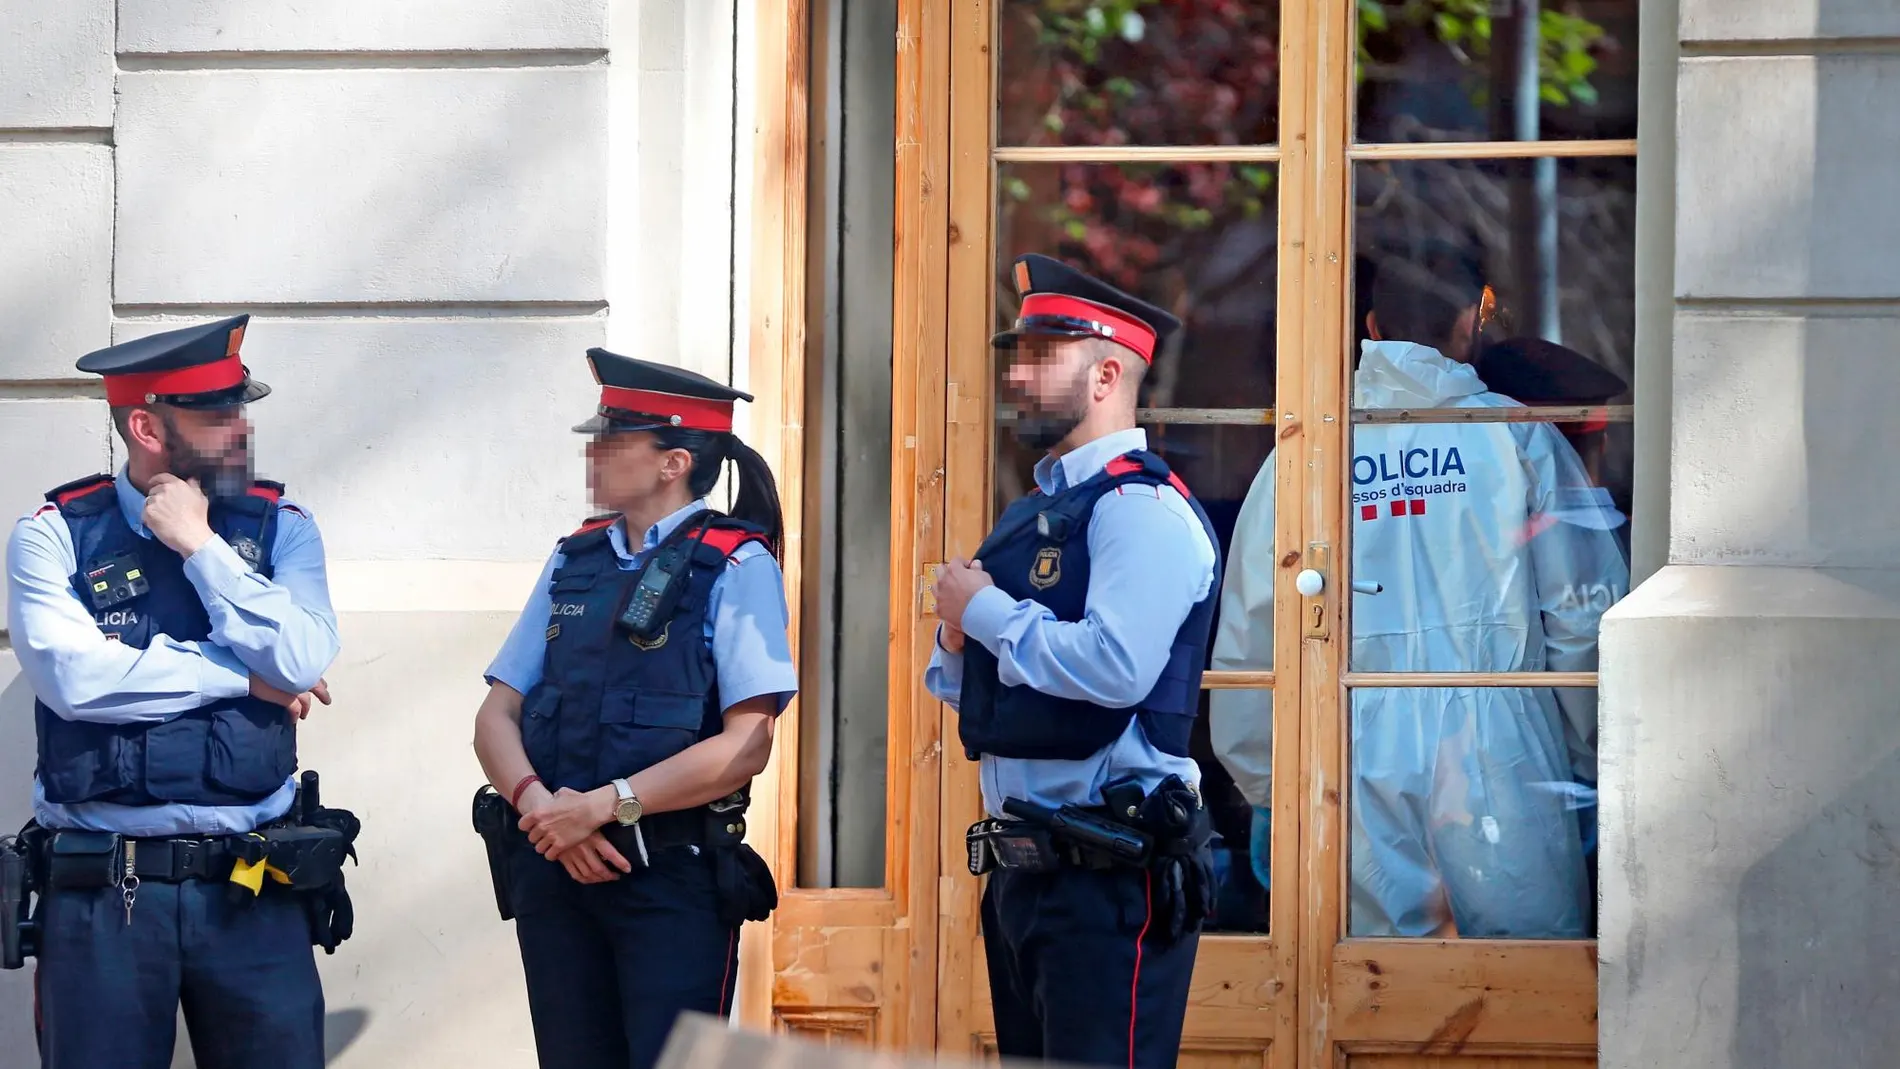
x=178, y=860
x=172, y=860
x=682, y=827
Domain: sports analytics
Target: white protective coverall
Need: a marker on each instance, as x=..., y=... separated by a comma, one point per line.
x=1469, y=805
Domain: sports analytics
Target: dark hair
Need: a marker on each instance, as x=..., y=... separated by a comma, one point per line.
x=1419, y=298
x=757, y=499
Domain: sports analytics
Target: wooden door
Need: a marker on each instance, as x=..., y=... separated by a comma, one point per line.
x=1228, y=159
x=849, y=964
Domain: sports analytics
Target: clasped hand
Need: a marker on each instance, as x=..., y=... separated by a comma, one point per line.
x=564, y=826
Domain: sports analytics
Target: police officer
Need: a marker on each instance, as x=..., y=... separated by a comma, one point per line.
x=627, y=713
x=1470, y=806
x=174, y=622
x=1072, y=647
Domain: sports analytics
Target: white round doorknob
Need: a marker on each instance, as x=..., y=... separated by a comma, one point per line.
x=1309, y=583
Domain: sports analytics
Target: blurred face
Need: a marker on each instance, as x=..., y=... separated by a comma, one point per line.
x=211, y=445
x=629, y=467
x=1048, y=387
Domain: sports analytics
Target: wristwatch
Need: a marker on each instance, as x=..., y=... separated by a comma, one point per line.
x=627, y=810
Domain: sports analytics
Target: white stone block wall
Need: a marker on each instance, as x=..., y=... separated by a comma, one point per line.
x=431, y=208
x=1750, y=755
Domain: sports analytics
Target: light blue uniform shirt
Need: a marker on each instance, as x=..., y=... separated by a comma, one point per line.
x=1150, y=563
x=282, y=629
x=746, y=621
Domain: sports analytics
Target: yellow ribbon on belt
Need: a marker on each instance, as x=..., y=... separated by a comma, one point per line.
x=251, y=874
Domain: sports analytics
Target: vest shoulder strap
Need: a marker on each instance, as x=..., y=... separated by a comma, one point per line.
x=725, y=535
x=589, y=535
x=1143, y=466
x=82, y=497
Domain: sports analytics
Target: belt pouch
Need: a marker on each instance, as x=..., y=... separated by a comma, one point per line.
x=83, y=860
x=1025, y=848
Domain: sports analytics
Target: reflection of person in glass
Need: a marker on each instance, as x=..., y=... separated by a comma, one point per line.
x=1072, y=650
x=1491, y=554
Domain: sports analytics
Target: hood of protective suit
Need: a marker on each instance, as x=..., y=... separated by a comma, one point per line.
x=1402, y=374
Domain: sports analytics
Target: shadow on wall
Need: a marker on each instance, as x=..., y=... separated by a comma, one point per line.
x=1818, y=923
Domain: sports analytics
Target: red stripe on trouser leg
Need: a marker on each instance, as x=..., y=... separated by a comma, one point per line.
x=732, y=947
x=1134, y=988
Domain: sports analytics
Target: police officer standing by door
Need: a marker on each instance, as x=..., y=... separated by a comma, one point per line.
x=174, y=622
x=627, y=713
x=1072, y=647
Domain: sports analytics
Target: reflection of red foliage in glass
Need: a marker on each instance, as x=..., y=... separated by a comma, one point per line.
x=1198, y=72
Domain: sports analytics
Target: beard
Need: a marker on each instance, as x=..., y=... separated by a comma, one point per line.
x=222, y=476
x=1040, y=427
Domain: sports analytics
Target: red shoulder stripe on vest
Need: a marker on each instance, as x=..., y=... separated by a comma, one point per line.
x=67, y=497
x=1123, y=465
x=727, y=540
x=268, y=492
x=594, y=524
x=46, y=508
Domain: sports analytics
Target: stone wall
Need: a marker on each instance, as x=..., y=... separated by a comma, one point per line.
x=1751, y=732
x=431, y=208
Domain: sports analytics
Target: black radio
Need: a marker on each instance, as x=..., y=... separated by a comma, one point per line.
x=656, y=593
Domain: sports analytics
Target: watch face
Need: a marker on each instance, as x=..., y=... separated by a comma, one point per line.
x=627, y=811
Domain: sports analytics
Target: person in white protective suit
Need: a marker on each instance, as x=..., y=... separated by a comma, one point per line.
x=1493, y=553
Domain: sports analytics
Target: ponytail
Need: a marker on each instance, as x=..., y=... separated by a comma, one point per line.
x=756, y=500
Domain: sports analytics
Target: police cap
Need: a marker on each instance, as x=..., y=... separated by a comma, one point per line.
x=1060, y=301
x=191, y=367
x=639, y=395
x=1538, y=372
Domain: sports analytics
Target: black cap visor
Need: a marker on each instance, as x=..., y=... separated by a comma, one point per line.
x=242, y=394
x=620, y=421
x=1046, y=326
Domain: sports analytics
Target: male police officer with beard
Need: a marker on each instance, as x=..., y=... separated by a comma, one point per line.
x=1072, y=647
x=174, y=622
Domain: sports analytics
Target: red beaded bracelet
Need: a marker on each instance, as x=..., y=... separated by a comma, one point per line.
x=515, y=798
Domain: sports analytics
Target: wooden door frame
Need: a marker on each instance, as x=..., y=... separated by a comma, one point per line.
x=1332, y=997
x=859, y=964
x=1352, y=996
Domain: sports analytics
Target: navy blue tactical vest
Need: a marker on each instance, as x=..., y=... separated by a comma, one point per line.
x=235, y=751
x=1039, y=552
x=608, y=705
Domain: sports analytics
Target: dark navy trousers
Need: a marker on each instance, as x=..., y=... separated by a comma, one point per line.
x=109, y=992
x=610, y=966
x=1077, y=973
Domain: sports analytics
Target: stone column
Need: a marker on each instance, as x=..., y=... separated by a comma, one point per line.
x=1751, y=689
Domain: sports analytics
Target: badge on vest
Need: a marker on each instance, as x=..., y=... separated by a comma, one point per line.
x=251, y=553
x=1047, y=569
x=554, y=632
x=654, y=643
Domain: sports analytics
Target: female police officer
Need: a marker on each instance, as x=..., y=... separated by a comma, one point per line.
x=627, y=713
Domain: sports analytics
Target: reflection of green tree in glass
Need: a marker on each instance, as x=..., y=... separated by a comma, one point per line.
x=1565, y=61
x=1159, y=72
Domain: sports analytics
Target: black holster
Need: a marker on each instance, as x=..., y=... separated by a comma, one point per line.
x=747, y=891
x=1181, y=869
x=310, y=855
x=495, y=821
x=19, y=883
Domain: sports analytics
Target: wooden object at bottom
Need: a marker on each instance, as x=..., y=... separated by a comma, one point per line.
x=703, y=1042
